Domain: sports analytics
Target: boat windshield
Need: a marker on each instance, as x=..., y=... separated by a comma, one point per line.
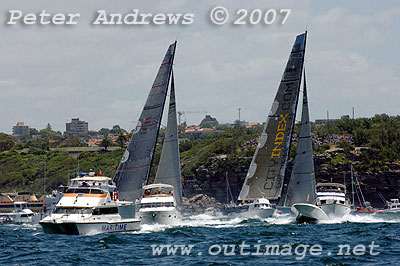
x=331, y=189
x=157, y=204
x=85, y=190
x=158, y=191
x=109, y=210
x=60, y=210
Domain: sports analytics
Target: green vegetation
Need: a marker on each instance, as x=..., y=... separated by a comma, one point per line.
x=38, y=165
x=35, y=172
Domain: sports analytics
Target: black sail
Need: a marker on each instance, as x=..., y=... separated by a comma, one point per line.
x=169, y=167
x=133, y=170
x=302, y=181
x=266, y=172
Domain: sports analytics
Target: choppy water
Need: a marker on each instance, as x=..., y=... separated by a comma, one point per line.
x=210, y=234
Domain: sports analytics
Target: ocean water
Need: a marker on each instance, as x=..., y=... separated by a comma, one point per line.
x=367, y=239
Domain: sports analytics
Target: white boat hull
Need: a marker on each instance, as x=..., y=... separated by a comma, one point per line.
x=260, y=213
x=390, y=211
x=20, y=218
x=90, y=227
x=246, y=213
x=311, y=212
x=172, y=217
x=335, y=210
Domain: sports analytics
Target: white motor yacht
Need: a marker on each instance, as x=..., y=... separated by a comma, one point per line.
x=261, y=208
x=20, y=214
x=330, y=203
x=90, y=206
x=393, y=206
x=158, y=205
x=258, y=208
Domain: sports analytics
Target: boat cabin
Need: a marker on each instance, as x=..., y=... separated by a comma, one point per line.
x=394, y=204
x=158, y=190
x=331, y=187
x=91, y=184
x=331, y=193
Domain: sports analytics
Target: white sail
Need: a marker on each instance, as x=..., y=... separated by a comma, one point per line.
x=302, y=181
x=132, y=173
x=169, y=169
x=267, y=169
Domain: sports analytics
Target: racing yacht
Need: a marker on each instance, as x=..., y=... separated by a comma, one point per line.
x=90, y=206
x=266, y=174
x=161, y=202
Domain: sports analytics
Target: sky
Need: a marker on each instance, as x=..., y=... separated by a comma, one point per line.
x=103, y=73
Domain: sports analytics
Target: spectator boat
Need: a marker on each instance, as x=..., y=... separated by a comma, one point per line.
x=158, y=205
x=90, y=206
x=330, y=203
x=392, y=206
x=19, y=214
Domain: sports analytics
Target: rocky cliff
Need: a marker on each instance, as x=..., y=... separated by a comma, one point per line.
x=376, y=182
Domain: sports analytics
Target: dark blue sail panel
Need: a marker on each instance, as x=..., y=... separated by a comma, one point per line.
x=169, y=168
x=135, y=165
x=266, y=172
x=301, y=187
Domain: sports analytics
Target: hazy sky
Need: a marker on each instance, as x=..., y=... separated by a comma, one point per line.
x=103, y=73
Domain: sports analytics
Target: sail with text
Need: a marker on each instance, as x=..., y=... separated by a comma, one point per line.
x=265, y=176
x=302, y=181
x=169, y=168
x=134, y=168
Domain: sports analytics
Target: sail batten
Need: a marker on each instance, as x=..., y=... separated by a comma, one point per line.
x=301, y=187
x=169, y=171
x=133, y=170
x=265, y=176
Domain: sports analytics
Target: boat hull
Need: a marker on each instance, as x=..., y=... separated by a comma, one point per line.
x=309, y=212
x=246, y=213
x=20, y=218
x=261, y=213
x=160, y=216
x=335, y=210
x=390, y=211
x=90, y=228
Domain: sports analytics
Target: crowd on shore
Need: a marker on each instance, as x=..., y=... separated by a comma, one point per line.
x=330, y=139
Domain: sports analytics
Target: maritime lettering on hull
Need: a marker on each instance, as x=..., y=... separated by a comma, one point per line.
x=113, y=227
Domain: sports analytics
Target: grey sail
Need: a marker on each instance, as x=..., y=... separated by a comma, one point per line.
x=133, y=170
x=302, y=181
x=169, y=169
x=265, y=176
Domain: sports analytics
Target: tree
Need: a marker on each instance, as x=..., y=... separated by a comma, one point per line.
x=6, y=142
x=73, y=142
x=33, y=131
x=104, y=131
x=116, y=130
x=121, y=140
x=106, y=142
